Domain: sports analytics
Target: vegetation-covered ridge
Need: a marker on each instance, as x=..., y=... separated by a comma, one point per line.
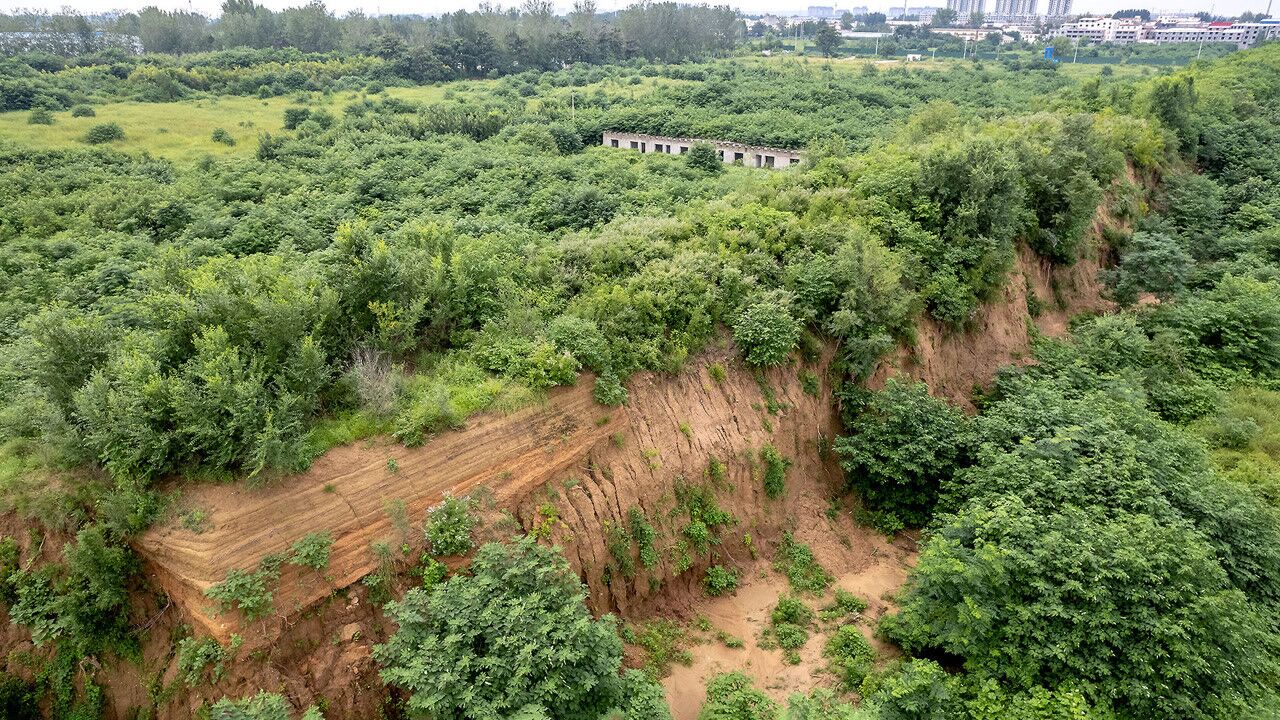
x=394, y=268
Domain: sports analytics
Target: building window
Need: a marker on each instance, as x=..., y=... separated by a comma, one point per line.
x=768, y=161
x=683, y=149
x=614, y=142
x=793, y=161
x=737, y=158
x=635, y=145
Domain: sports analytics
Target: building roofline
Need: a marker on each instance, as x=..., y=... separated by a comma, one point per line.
x=717, y=143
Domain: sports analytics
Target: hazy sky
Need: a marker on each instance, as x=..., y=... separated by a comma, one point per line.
x=1226, y=7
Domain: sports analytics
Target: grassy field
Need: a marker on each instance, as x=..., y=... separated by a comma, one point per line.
x=183, y=131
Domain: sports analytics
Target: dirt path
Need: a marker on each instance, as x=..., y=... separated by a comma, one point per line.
x=745, y=614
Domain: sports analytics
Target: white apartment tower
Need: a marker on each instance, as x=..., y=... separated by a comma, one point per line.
x=1015, y=8
x=1059, y=8
x=964, y=8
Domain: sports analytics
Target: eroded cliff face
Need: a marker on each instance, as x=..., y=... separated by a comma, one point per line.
x=570, y=471
x=666, y=439
x=954, y=363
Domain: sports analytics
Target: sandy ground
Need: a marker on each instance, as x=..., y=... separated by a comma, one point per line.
x=746, y=613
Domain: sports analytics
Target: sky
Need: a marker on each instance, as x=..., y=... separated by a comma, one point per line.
x=782, y=7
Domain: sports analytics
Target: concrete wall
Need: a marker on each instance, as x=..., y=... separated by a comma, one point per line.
x=730, y=152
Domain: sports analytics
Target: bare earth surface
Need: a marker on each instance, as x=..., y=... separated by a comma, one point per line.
x=746, y=613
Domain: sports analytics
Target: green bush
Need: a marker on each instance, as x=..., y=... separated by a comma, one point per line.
x=796, y=561
x=196, y=658
x=295, y=116
x=104, y=133
x=40, y=116
x=263, y=706
x=845, y=605
x=220, y=135
x=851, y=657
x=731, y=696
x=247, y=591
x=609, y=391
x=83, y=111
x=775, y=471
x=449, y=526
x=902, y=443
x=790, y=637
x=471, y=645
x=766, y=332
x=791, y=610
x=703, y=156
x=720, y=580
x=18, y=700
x=312, y=550
x=644, y=535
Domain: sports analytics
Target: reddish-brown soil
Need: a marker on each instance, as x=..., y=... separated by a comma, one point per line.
x=955, y=363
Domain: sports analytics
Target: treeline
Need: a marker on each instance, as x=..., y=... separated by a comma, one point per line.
x=459, y=44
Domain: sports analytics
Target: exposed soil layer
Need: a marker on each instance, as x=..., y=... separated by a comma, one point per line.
x=955, y=363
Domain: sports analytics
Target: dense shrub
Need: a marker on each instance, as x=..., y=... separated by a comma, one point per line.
x=775, y=471
x=512, y=635
x=851, y=656
x=83, y=111
x=703, y=157
x=449, y=526
x=720, y=580
x=104, y=133
x=312, y=550
x=766, y=331
x=902, y=443
x=1070, y=483
x=731, y=696
x=263, y=706
x=40, y=116
x=796, y=561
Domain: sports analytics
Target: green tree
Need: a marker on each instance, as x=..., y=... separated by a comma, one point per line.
x=827, y=39
x=1153, y=263
x=901, y=446
x=703, y=156
x=512, y=636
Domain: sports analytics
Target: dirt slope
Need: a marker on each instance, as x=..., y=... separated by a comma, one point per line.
x=955, y=363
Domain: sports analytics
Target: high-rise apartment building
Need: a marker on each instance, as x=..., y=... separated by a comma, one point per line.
x=965, y=8
x=1059, y=8
x=1015, y=8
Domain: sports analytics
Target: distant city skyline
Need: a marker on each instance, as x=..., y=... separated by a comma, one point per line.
x=754, y=7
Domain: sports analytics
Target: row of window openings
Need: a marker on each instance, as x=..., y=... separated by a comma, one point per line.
x=739, y=158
